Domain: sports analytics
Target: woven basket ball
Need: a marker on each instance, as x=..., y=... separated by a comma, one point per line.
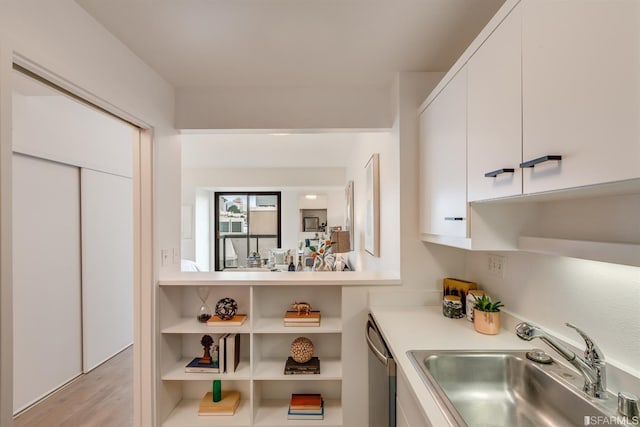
x=302, y=349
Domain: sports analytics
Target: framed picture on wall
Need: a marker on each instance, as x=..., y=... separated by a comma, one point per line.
x=348, y=215
x=372, y=206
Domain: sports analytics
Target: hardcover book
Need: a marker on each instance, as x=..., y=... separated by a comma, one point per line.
x=197, y=367
x=292, y=316
x=305, y=401
x=308, y=414
x=236, y=320
x=232, y=352
x=291, y=367
x=227, y=406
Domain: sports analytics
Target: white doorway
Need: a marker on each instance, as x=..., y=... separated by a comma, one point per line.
x=72, y=168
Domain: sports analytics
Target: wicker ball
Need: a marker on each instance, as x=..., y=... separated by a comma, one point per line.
x=302, y=349
x=226, y=308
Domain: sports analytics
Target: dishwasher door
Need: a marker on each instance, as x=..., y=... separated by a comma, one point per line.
x=382, y=379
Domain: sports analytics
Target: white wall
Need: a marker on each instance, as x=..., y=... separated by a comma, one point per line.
x=61, y=38
x=601, y=299
x=387, y=147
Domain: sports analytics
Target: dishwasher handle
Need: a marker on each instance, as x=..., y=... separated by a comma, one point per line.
x=375, y=350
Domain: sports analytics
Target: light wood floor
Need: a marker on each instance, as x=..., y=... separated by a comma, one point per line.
x=101, y=398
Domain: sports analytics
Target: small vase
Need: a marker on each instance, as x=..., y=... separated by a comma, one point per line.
x=485, y=322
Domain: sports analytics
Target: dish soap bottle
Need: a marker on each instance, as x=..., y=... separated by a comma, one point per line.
x=292, y=266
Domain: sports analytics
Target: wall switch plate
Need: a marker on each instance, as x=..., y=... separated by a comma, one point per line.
x=164, y=257
x=496, y=265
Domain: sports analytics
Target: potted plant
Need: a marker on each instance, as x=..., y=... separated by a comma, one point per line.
x=486, y=315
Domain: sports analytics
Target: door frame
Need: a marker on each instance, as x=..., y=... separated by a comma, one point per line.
x=143, y=230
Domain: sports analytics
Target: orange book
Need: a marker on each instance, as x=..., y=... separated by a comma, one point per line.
x=227, y=406
x=306, y=401
x=292, y=316
x=236, y=320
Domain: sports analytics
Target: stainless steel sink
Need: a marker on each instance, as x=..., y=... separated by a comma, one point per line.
x=506, y=389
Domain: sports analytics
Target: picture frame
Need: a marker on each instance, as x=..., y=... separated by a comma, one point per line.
x=372, y=206
x=349, y=214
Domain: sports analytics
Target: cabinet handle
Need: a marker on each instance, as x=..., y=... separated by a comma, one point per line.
x=454, y=218
x=532, y=163
x=495, y=173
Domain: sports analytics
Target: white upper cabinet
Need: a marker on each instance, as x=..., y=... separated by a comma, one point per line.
x=443, y=160
x=494, y=109
x=580, y=92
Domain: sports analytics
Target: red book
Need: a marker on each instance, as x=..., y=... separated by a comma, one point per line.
x=306, y=401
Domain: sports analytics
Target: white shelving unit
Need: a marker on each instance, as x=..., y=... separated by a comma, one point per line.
x=264, y=346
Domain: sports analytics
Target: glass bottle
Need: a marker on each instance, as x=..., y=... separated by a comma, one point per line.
x=299, y=266
x=204, y=313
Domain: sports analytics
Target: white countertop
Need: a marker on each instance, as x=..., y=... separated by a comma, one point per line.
x=425, y=328
x=260, y=277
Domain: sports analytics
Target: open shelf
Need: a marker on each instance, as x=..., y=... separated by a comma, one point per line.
x=185, y=414
x=275, y=325
x=274, y=413
x=273, y=369
x=192, y=326
x=177, y=373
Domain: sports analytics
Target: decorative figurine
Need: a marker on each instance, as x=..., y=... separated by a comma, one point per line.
x=226, y=308
x=206, y=342
x=302, y=307
x=302, y=349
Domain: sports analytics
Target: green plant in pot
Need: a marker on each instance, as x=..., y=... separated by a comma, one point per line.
x=486, y=315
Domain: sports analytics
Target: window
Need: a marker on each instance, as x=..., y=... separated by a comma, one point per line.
x=245, y=222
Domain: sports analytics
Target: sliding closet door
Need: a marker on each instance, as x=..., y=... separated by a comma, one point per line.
x=46, y=277
x=107, y=265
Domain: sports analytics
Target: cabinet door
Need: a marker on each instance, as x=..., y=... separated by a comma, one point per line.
x=494, y=109
x=408, y=411
x=581, y=92
x=443, y=161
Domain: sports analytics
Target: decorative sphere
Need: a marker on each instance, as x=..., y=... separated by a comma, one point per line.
x=302, y=349
x=226, y=308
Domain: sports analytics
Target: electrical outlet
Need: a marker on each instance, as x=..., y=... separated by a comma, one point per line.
x=496, y=265
x=176, y=255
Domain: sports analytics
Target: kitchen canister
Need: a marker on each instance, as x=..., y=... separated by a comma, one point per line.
x=452, y=307
x=471, y=301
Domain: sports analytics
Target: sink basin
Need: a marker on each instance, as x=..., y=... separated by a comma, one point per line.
x=485, y=388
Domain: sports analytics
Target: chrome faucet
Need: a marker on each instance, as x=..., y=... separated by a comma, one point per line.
x=592, y=366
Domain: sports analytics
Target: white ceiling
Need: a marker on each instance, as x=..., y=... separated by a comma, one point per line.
x=198, y=43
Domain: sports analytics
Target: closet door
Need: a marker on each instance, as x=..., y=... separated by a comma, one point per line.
x=47, y=350
x=107, y=265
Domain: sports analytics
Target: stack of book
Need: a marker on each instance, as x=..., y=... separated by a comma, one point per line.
x=306, y=407
x=225, y=357
x=291, y=367
x=226, y=406
x=197, y=366
x=292, y=318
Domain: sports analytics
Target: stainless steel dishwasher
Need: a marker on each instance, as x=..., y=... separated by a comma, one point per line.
x=382, y=379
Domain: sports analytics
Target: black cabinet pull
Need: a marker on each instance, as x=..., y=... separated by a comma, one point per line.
x=453, y=218
x=532, y=163
x=495, y=173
